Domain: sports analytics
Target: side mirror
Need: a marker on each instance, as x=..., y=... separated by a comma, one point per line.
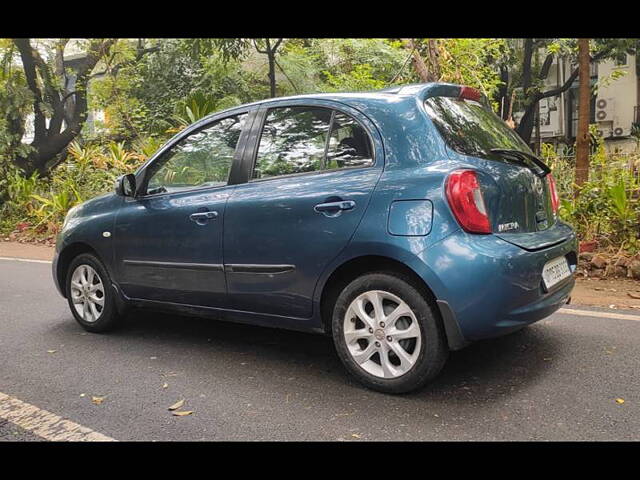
x=126, y=185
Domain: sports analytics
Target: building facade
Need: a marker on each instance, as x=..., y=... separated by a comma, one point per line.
x=614, y=105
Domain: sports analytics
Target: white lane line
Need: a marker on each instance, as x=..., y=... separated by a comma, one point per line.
x=30, y=260
x=46, y=424
x=590, y=313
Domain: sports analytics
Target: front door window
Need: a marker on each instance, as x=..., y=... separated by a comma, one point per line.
x=201, y=159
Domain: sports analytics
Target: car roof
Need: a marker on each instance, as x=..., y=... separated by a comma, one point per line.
x=420, y=90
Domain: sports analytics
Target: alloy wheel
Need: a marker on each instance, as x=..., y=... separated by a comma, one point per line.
x=382, y=334
x=87, y=293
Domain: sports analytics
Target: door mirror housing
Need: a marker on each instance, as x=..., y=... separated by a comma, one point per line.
x=126, y=185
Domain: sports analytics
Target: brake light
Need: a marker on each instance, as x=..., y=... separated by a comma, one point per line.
x=555, y=200
x=470, y=93
x=466, y=201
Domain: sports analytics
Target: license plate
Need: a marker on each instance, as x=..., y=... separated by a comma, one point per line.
x=555, y=271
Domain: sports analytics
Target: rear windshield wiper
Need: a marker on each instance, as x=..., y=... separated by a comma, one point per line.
x=525, y=157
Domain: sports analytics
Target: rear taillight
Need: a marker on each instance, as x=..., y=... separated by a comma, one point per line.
x=555, y=201
x=466, y=201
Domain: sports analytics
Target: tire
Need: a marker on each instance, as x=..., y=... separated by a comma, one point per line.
x=423, y=344
x=99, y=318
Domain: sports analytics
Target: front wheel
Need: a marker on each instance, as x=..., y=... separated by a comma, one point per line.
x=90, y=295
x=387, y=334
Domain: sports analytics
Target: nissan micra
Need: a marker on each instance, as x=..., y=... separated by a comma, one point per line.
x=404, y=223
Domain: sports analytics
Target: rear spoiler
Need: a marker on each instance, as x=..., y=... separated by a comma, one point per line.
x=428, y=90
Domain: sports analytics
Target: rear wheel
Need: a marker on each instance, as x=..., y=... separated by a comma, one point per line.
x=386, y=333
x=90, y=295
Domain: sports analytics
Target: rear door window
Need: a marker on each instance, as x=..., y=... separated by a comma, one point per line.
x=293, y=141
x=349, y=144
x=470, y=128
x=310, y=139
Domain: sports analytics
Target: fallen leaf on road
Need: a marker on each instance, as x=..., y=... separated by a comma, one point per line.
x=176, y=405
x=166, y=385
x=97, y=400
x=182, y=413
x=153, y=358
x=52, y=351
x=619, y=401
x=83, y=394
x=356, y=435
x=633, y=295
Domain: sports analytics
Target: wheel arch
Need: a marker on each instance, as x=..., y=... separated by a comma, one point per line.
x=356, y=266
x=352, y=268
x=65, y=258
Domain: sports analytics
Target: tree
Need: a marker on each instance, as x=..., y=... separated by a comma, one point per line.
x=59, y=91
x=425, y=73
x=269, y=49
x=467, y=61
x=55, y=100
x=521, y=70
x=584, y=93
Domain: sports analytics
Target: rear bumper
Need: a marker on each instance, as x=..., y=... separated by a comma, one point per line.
x=492, y=287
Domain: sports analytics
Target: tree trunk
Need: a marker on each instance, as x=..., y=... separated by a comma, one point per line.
x=584, y=95
x=527, y=122
x=418, y=62
x=434, y=59
x=272, y=73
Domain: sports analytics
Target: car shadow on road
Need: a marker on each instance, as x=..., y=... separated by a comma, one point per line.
x=484, y=371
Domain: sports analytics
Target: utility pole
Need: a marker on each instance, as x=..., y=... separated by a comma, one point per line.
x=584, y=103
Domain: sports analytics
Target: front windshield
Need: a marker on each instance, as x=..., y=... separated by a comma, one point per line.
x=470, y=128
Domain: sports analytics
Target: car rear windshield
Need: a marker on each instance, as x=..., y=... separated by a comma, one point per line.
x=470, y=128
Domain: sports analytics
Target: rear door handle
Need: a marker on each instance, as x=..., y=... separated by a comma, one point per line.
x=335, y=207
x=202, y=217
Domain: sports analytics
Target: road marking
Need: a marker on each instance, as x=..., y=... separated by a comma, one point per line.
x=46, y=424
x=590, y=313
x=30, y=260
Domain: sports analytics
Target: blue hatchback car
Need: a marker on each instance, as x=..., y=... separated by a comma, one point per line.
x=405, y=223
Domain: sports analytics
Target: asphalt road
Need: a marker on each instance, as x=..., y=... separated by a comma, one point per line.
x=556, y=380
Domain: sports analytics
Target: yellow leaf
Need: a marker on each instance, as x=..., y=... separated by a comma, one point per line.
x=182, y=413
x=51, y=351
x=177, y=405
x=165, y=385
x=619, y=401
x=355, y=435
x=97, y=400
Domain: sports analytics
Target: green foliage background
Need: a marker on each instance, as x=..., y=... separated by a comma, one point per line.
x=147, y=99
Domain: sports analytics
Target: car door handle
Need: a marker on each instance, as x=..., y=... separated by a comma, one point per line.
x=201, y=217
x=334, y=207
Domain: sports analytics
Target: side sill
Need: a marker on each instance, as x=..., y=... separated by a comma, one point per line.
x=217, y=313
x=455, y=339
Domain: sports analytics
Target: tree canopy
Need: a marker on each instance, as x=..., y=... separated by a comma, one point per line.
x=150, y=88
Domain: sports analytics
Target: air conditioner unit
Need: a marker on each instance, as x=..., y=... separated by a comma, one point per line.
x=604, y=109
x=618, y=132
x=605, y=129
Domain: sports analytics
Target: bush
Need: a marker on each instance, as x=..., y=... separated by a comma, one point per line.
x=37, y=206
x=607, y=207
